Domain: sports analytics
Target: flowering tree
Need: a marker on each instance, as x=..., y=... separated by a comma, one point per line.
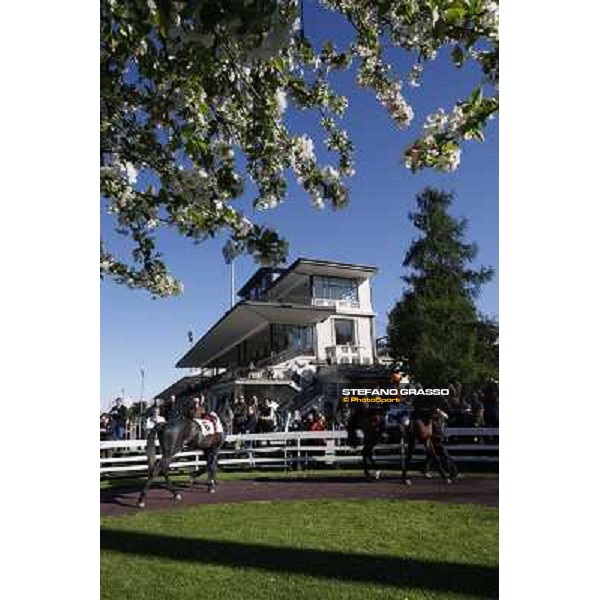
x=194, y=100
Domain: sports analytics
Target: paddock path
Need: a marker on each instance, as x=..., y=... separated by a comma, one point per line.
x=471, y=490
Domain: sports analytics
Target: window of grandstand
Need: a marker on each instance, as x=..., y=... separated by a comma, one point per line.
x=335, y=288
x=296, y=337
x=344, y=332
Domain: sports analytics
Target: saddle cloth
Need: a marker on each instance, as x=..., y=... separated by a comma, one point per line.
x=206, y=427
x=210, y=426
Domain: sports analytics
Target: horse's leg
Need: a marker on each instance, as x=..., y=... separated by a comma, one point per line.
x=430, y=451
x=166, y=461
x=427, y=466
x=195, y=474
x=366, y=451
x=152, y=475
x=211, y=464
x=216, y=463
x=410, y=448
x=446, y=460
x=374, y=464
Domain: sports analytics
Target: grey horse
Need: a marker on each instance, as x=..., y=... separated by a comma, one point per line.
x=173, y=436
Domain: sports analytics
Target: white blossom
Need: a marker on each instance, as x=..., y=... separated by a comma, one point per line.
x=330, y=175
x=281, y=99
x=396, y=105
x=131, y=173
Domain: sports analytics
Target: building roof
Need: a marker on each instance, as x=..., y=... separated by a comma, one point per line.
x=256, y=277
x=302, y=267
x=244, y=319
x=187, y=383
x=307, y=266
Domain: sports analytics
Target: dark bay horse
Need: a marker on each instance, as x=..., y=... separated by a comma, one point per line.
x=416, y=427
x=173, y=436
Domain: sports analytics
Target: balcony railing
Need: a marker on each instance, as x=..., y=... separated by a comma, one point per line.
x=348, y=355
x=336, y=303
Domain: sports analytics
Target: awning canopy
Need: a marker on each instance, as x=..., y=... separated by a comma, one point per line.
x=243, y=320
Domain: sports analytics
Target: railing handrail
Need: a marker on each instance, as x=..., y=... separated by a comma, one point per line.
x=307, y=435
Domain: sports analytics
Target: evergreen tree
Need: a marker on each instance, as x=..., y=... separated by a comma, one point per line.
x=436, y=327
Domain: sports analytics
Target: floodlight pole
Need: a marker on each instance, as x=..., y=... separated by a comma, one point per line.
x=232, y=282
x=142, y=387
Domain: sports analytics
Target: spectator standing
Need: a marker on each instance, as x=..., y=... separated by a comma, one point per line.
x=477, y=411
x=104, y=426
x=274, y=407
x=491, y=404
x=240, y=413
x=265, y=424
x=253, y=402
x=318, y=424
x=251, y=421
x=309, y=421
x=296, y=421
x=227, y=415
x=343, y=416
x=118, y=414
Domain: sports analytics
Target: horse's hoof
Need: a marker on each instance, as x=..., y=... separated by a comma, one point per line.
x=448, y=481
x=178, y=497
x=141, y=504
x=377, y=474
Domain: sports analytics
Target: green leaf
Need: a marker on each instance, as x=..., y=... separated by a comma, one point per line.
x=455, y=15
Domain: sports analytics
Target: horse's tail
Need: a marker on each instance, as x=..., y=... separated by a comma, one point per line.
x=151, y=445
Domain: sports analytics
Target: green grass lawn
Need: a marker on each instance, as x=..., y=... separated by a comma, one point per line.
x=306, y=549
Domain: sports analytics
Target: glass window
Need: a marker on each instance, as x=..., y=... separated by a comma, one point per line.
x=344, y=332
x=297, y=337
x=335, y=288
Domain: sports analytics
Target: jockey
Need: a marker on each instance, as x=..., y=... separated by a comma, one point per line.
x=214, y=419
x=208, y=420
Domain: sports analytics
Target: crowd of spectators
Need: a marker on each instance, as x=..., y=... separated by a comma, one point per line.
x=255, y=415
x=479, y=408
x=263, y=415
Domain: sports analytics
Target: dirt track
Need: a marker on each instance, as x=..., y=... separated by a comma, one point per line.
x=472, y=490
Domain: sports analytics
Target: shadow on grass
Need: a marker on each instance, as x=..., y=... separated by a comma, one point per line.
x=459, y=578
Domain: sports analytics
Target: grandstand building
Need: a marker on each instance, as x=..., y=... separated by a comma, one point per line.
x=297, y=334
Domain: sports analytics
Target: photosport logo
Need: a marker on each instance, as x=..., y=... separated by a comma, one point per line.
x=388, y=395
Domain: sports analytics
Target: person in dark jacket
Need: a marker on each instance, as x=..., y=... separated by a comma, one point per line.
x=490, y=398
x=251, y=420
x=118, y=414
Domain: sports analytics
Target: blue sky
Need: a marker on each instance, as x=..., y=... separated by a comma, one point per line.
x=139, y=332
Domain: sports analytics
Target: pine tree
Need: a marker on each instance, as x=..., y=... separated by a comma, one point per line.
x=436, y=327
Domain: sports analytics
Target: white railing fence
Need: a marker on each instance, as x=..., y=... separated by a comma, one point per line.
x=291, y=450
